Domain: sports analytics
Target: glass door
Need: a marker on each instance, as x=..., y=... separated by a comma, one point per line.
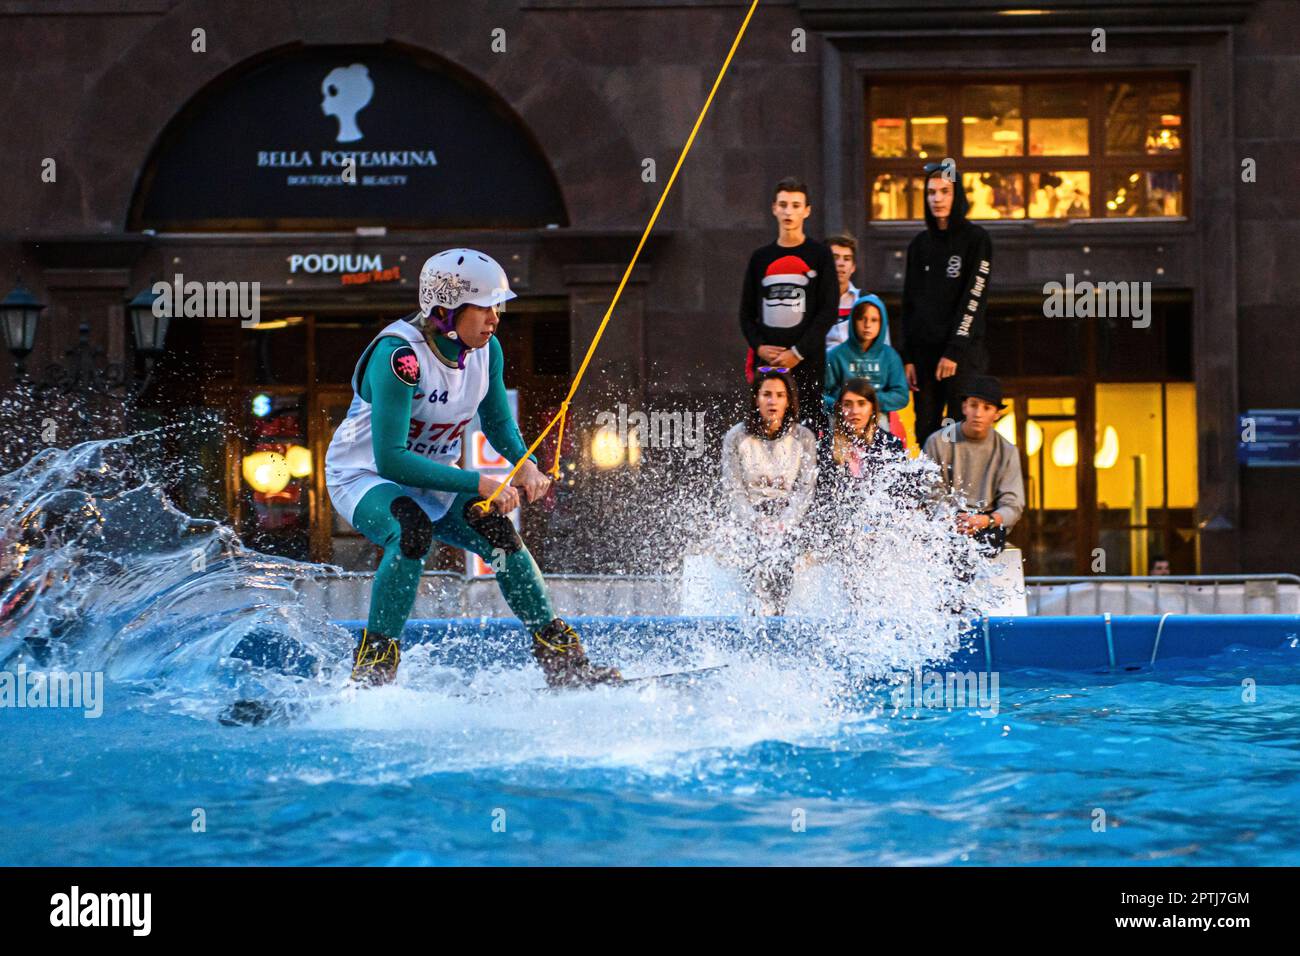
x=1046, y=423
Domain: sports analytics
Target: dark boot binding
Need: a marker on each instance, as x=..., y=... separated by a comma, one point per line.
x=375, y=660
x=559, y=653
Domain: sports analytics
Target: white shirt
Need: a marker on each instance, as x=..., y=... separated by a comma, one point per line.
x=444, y=403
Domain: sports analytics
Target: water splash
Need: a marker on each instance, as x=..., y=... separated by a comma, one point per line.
x=101, y=571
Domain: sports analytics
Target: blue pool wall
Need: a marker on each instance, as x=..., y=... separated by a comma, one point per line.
x=1075, y=643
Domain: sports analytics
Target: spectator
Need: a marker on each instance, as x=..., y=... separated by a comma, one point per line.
x=844, y=250
x=945, y=291
x=980, y=467
x=789, y=301
x=867, y=355
x=857, y=446
x=769, y=471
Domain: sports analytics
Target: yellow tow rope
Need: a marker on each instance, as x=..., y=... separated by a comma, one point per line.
x=591, y=350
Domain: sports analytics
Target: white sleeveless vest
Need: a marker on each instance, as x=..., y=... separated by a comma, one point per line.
x=445, y=402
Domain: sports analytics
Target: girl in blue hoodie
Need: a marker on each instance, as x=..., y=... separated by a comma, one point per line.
x=865, y=355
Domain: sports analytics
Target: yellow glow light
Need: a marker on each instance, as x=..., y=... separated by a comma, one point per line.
x=1006, y=427
x=299, y=459
x=606, y=449
x=1065, y=449
x=1108, y=453
x=266, y=472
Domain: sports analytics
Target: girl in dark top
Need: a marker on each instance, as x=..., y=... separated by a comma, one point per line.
x=857, y=446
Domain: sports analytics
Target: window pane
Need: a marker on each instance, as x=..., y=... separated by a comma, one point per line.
x=1123, y=194
x=995, y=195
x=1180, y=408
x=1006, y=424
x=1144, y=118
x=1130, y=444
x=930, y=122
x=1164, y=193
x=1164, y=129
x=1058, y=195
x=889, y=197
x=1051, y=406
x=1058, y=119
x=888, y=121
x=1150, y=193
x=1124, y=132
x=1052, y=472
x=991, y=121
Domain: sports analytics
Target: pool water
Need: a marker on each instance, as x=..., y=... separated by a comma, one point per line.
x=799, y=752
x=764, y=765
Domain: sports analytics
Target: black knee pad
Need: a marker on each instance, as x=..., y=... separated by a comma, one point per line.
x=495, y=527
x=417, y=529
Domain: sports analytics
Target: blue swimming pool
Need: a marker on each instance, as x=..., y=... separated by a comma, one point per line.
x=1192, y=760
x=888, y=737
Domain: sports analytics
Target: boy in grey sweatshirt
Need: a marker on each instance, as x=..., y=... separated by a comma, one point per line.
x=979, y=465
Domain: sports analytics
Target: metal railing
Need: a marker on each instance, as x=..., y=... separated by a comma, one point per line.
x=1166, y=581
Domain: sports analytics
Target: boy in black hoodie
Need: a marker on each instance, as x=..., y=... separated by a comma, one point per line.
x=945, y=292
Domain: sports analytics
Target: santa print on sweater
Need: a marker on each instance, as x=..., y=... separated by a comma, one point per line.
x=791, y=296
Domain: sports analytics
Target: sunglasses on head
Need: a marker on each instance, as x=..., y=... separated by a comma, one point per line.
x=773, y=368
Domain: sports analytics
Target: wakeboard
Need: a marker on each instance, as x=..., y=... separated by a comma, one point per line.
x=674, y=679
x=252, y=712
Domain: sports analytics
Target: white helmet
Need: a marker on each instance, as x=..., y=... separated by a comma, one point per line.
x=462, y=277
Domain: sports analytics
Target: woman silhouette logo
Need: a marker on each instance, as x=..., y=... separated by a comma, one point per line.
x=347, y=92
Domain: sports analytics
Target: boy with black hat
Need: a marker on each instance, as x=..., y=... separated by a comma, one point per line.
x=980, y=466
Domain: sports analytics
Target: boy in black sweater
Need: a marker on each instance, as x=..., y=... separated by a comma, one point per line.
x=945, y=293
x=789, y=302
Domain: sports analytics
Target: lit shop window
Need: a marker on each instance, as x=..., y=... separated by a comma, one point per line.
x=1058, y=119
x=1059, y=194
x=1051, y=149
x=1138, y=193
x=929, y=123
x=991, y=121
x=891, y=194
x=994, y=195
x=1144, y=118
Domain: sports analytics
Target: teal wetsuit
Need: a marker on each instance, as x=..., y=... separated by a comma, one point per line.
x=393, y=593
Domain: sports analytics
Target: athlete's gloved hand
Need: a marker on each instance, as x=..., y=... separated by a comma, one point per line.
x=531, y=479
x=505, y=502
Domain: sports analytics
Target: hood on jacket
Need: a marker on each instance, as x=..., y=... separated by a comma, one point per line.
x=879, y=303
x=960, y=204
